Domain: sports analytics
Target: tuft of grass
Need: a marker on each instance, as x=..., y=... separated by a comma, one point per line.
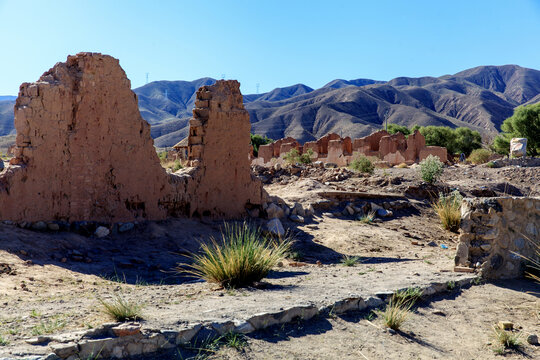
x=505, y=339
x=243, y=256
x=479, y=156
x=363, y=164
x=532, y=263
x=48, y=326
x=396, y=313
x=349, y=260
x=448, y=207
x=410, y=295
x=3, y=341
x=232, y=340
x=450, y=285
x=368, y=218
x=120, y=309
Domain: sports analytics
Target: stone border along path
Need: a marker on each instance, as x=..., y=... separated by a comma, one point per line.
x=87, y=344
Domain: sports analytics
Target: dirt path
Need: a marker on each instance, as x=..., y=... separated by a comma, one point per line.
x=445, y=328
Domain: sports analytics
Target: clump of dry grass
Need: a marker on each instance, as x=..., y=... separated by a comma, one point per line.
x=448, y=207
x=399, y=307
x=120, y=309
x=242, y=256
x=505, y=339
x=402, y=166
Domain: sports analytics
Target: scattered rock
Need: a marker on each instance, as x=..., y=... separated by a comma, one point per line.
x=53, y=226
x=297, y=218
x=533, y=339
x=126, y=329
x=39, y=226
x=101, y=232
x=275, y=227
x=505, y=325
x=126, y=227
x=274, y=211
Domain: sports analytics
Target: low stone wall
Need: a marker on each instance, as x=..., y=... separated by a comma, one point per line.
x=495, y=232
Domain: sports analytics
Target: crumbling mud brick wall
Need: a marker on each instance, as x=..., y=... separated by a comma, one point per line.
x=494, y=231
x=394, y=149
x=218, y=149
x=83, y=152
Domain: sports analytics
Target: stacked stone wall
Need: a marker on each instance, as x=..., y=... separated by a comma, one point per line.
x=496, y=234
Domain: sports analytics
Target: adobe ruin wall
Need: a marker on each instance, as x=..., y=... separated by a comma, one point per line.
x=83, y=152
x=393, y=149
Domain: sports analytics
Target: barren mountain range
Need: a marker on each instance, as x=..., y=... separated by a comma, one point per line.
x=479, y=98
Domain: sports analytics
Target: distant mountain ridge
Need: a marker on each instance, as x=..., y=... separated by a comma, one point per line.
x=479, y=98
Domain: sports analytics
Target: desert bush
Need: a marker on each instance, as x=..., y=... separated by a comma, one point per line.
x=294, y=157
x=162, y=155
x=363, y=164
x=448, y=207
x=479, y=156
x=430, y=169
x=243, y=256
x=524, y=123
x=120, y=309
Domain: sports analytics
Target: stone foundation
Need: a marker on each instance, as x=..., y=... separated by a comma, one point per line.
x=495, y=232
x=83, y=152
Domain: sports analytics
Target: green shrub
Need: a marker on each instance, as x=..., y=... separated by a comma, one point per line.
x=162, y=155
x=363, y=164
x=258, y=140
x=431, y=168
x=448, y=207
x=242, y=257
x=524, y=123
x=479, y=156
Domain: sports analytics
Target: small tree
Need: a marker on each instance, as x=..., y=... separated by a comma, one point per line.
x=525, y=123
x=394, y=128
x=258, y=140
x=431, y=168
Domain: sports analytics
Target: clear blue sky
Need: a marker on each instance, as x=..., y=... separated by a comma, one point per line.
x=274, y=43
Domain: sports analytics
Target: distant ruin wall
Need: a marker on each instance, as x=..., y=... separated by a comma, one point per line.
x=83, y=152
x=332, y=148
x=494, y=231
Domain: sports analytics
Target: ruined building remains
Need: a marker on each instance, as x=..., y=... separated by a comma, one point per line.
x=332, y=148
x=83, y=151
x=497, y=234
